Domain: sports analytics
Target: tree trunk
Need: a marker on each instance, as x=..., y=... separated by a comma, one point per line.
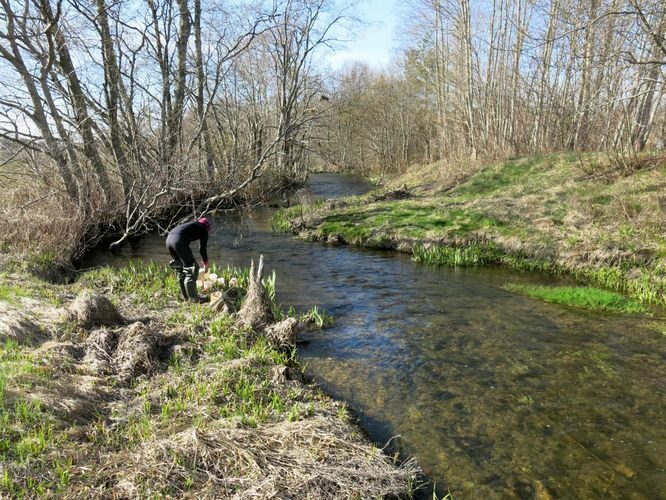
x=78, y=101
x=205, y=149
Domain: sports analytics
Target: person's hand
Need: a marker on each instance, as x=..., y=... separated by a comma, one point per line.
x=205, y=268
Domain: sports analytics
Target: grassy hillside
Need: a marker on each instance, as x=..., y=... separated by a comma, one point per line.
x=562, y=213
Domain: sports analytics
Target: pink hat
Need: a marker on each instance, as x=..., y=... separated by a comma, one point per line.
x=206, y=223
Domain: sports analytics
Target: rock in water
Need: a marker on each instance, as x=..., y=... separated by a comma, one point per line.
x=94, y=309
x=256, y=310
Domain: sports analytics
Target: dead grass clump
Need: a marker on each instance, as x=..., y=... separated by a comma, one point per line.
x=400, y=193
x=336, y=204
x=313, y=458
x=37, y=219
x=16, y=326
x=282, y=334
x=93, y=309
x=137, y=352
x=100, y=346
x=126, y=353
x=256, y=309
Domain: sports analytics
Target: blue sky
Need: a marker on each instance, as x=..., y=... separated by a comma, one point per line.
x=373, y=42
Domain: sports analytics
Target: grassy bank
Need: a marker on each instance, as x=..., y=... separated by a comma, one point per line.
x=559, y=213
x=581, y=297
x=160, y=398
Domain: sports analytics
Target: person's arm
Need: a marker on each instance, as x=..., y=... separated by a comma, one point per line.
x=203, y=249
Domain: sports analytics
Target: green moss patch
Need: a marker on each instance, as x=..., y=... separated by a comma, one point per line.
x=582, y=297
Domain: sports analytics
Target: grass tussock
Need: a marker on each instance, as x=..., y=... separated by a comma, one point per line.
x=173, y=401
x=554, y=213
x=581, y=297
x=301, y=459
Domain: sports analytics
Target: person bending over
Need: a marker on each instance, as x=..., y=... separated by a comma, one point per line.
x=183, y=261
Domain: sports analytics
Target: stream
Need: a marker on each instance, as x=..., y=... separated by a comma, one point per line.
x=497, y=395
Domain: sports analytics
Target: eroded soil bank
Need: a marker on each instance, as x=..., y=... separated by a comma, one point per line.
x=112, y=388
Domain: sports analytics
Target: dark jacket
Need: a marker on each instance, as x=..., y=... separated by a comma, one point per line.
x=186, y=234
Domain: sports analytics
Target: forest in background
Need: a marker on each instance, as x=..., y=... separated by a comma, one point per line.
x=113, y=115
x=485, y=79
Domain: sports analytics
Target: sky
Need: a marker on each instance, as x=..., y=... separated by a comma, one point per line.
x=372, y=42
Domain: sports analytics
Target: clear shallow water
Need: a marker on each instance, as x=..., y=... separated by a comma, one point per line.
x=496, y=394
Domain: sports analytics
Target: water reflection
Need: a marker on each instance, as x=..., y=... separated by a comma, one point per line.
x=496, y=394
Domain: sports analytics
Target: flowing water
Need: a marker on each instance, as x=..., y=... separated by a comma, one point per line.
x=497, y=395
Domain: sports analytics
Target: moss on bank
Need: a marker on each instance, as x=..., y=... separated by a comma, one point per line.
x=560, y=213
x=211, y=409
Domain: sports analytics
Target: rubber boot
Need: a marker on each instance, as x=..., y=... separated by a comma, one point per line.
x=191, y=275
x=181, y=284
x=177, y=266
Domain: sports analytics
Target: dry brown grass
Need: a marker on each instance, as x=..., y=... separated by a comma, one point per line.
x=93, y=309
x=312, y=458
x=40, y=220
x=440, y=176
x=18, y=327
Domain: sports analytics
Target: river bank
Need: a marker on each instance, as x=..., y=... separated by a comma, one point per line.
x=495, y=394
x=564, y=214
x=142, y=395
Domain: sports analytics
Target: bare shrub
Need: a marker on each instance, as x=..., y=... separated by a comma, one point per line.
x=34, y=219
x=627, y=161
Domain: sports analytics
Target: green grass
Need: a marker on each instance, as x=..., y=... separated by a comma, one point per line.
x=148, y=283
x=468, y=256
x=475, y=255
x=26, y=424
x=500, y=177
x=581, y=297
x=12, y=293
x=542, y=212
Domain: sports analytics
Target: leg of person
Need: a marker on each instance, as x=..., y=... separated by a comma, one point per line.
x=177, y=265
x=191, y=275
x=191, y=270
x=182, y=276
